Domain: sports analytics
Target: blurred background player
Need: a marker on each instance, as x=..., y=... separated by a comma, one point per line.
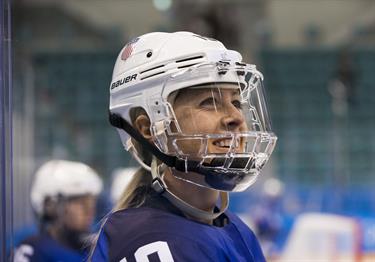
x=266, y=215
x=63, y=196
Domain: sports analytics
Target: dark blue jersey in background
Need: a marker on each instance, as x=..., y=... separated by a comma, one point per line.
x=43, y=248
x=154, y=234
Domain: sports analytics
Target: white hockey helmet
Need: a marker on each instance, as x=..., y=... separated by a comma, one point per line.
x=61, y=178
x=149, y=72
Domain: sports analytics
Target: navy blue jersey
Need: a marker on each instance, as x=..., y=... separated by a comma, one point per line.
x=152, y=234
x=43, y=248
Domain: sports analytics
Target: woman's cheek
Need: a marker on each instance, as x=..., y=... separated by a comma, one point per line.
x=194, y=121
x=207, y=123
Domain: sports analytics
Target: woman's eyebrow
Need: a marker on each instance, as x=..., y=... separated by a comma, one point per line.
x=236, y=92
x=216, y=91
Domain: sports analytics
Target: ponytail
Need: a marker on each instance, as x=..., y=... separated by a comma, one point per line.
x=134, y=195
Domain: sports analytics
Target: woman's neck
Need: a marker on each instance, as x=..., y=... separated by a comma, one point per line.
x=197, y=196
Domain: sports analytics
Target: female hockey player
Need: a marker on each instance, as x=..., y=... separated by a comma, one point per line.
x=194, y=116
x=63, y=196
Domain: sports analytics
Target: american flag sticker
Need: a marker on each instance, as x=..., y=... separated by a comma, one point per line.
x=128, y=50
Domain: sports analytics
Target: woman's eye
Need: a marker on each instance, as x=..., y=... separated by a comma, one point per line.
x=237, y=104
x=208, y=102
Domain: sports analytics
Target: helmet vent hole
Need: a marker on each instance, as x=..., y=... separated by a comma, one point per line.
x=161, y=68
x=186, y=66
x=143, y=78
x=189, y=59
x=150, y=69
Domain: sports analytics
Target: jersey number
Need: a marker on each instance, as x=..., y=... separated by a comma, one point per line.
x=23, y=253
x=160, y=248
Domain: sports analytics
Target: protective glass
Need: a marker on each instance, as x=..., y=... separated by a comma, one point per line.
x=217, y=116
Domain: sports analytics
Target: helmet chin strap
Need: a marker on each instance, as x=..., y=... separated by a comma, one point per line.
x=159, y=186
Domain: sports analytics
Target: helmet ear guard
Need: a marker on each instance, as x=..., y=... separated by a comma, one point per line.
x=49, y=213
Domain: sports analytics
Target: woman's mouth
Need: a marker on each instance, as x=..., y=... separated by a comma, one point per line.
x=227, y=143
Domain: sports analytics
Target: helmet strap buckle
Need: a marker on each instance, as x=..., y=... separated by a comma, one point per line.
x=158, y=185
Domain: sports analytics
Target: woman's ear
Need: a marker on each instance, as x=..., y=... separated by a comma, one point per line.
x=142, y=125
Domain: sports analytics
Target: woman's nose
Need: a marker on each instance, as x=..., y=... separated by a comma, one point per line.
x=233, y=118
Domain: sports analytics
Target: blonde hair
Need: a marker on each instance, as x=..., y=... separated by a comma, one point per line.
x=134, y=195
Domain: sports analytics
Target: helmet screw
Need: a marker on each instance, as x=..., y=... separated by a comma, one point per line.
x=149, y=54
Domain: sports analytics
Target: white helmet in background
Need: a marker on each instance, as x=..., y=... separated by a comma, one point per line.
x=149, y=71
x=61, y=178
x=120, y=180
